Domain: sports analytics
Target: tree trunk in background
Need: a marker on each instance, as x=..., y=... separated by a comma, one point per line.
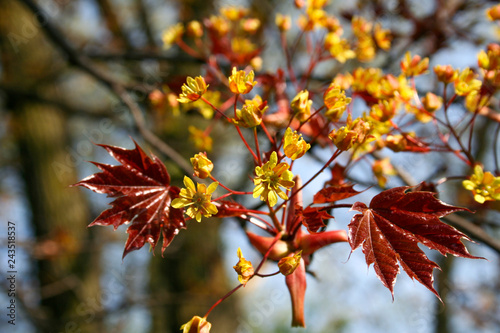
x=68, y=272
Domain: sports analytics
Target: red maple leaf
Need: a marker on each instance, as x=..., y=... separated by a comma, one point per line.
x=312, y=217
x=143, y=193
x=391, y=228
x=335, y=193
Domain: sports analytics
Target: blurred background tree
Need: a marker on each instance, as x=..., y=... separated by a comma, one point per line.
x=79, y=72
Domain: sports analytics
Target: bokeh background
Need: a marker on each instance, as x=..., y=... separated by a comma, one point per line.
x=53, y=108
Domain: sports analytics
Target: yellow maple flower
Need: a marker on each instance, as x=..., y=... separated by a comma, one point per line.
x=283, y=22
x=244, y=268
x=355, y=132
x=413, y=66
x=219, y=24
x=194, y=29
x=171, y=35
x=445, y=73
x=466, y=82
x=196, y=200
x=287, y=265
x=233, y=13
x=270, y=177
x=338, y=47
x=193, y=89
x=201, y=140
x=294, y=147
x=365, y=48
x=475, y=101
x=384, y=110
x=493, y=13
x=241, y=82
x=250, y=115
x=336, y=102
x=382, y=169
x=196, y=325
x=382, y=37
x=202, y=165
x=301, y=105
x=483, y=185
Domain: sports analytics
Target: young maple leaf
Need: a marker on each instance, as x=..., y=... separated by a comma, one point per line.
x=391, y=228
x=143, y=193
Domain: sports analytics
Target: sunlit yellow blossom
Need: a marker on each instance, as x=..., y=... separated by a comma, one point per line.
x=196, y=200
x=301, y=105
x=360, y=26
x=355, y=132
x=234, y=13
x=193, y=89
x=196, y=325
x=269, y=178
x=316, y=4
x=483, y=185
x=250, y=115
x=336, y=102
x=294, y=147
x=475, y=101
x=445, y=73
x=382, y=37
x=256, y=63
x=413, y=66
x=489, y=59
x=171, y=35
x=384, y=110
x=343, y=81
x=201, y=140
x=365, y=48
x=202, y=165
x=382, y=169
x=466, y=82
x=283, y=22
x=250, y=25
x=432, y=102
x=244, y=268
x=287, y=265
x=194, y=29
x=242, y=45
x=240, y=82
x=493, y=13
x=339, y=48
x=332, y=24
x=363, y=77
x=219, y=24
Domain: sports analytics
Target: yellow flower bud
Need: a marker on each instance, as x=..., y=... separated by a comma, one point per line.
x=195, y=29
x=244, y=268
x=445, y=73
x=493, y=13
x=171, y=35
x=202, y=165
x=196, y=325
x=287, y=265
x=301, y=105
x=432, y=102
x=283, y=22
